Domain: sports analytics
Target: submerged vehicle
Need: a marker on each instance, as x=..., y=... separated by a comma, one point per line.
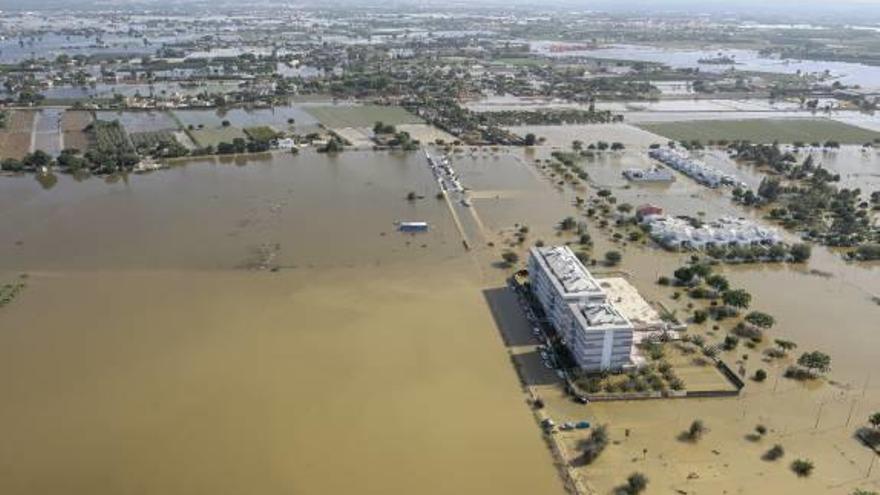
x=412, y=226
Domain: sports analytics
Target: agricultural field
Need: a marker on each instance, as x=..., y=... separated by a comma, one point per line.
x=16, y=137
x=73, y=127
x=357, y=137
x=110, y=137
x=261, y=133
x=152, y=139
x=763, y=131
x=278, y=117
x=213, y=137
x=562, y=135
x=426, y=133
x=141, y=121
x=361, y=115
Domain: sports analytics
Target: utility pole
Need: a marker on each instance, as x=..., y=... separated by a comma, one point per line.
x=871, y=467
x=818, y=415
x=851, y=409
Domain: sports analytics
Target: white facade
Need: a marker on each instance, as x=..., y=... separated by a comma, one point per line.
x=694, y=169
x=598, y=336
x=677, y=233
x=656, y=174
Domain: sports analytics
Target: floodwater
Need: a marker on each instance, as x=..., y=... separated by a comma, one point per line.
x=150, y=353
x=826, y=305
x=47, y=131
x=746, y=60
x=241, y=117
x=140, y=121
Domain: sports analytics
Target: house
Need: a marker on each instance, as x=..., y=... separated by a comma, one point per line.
x=285, y=143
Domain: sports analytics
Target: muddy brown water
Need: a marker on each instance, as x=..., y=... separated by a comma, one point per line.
x=824, y=305
x=150, y=352
x=148, y=355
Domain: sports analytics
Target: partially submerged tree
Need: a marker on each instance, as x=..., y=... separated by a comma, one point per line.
x=595, y=444
x=775, y=452
x=802, y=467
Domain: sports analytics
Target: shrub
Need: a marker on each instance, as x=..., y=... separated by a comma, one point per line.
x=760, y=375
x=730, y=342
x=593, y=446
x=760, y=319
x=510, y=257
x=802, y=467
x=818, y=361
x=696, y=430
x=613, y=257
x=775, y=452
x=748, y=331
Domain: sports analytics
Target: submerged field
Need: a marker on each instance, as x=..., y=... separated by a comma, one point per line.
x=15, y=138
x=763, y=131
x=361, y=115
x=169, y=363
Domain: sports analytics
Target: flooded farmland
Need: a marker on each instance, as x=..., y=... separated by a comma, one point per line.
x=169, y=362
x=288, y=319
x=826, y=305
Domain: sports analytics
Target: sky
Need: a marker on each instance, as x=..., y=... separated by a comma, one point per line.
x=792, y=8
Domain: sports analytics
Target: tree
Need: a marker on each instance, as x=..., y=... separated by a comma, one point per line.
x=636, y=483
x=684, y=274
x=730, y=342
x=568, y=223
x=874, y=419
x=760, y=375
x=738, y=298
x=816, y=361
x=760, y=319
x=775, y=452
x=225, y=123
x=769, y=188
x=11, y=165
x=613, y=257
x=802, y=467
x=718, y=282
x=509, y=257
x=800, y=252
x=530, y=139
x=696, y=430
x=785, y=345
x=37, y=159
x=595, y=444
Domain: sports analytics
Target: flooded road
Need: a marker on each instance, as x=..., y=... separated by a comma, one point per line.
x=149, y=353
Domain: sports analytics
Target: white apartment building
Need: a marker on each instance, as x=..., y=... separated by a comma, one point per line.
x=597, y=334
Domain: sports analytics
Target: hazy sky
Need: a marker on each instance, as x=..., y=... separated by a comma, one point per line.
x=864, y=10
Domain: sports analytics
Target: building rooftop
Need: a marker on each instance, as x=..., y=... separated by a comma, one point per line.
x=601, y=316
x=631, y=304
x=568, y=272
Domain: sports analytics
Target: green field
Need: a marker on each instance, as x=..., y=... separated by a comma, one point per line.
x=361, y=115
x=763, y=131
x=213, y=137
x=261, y=133
x=151, y=139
